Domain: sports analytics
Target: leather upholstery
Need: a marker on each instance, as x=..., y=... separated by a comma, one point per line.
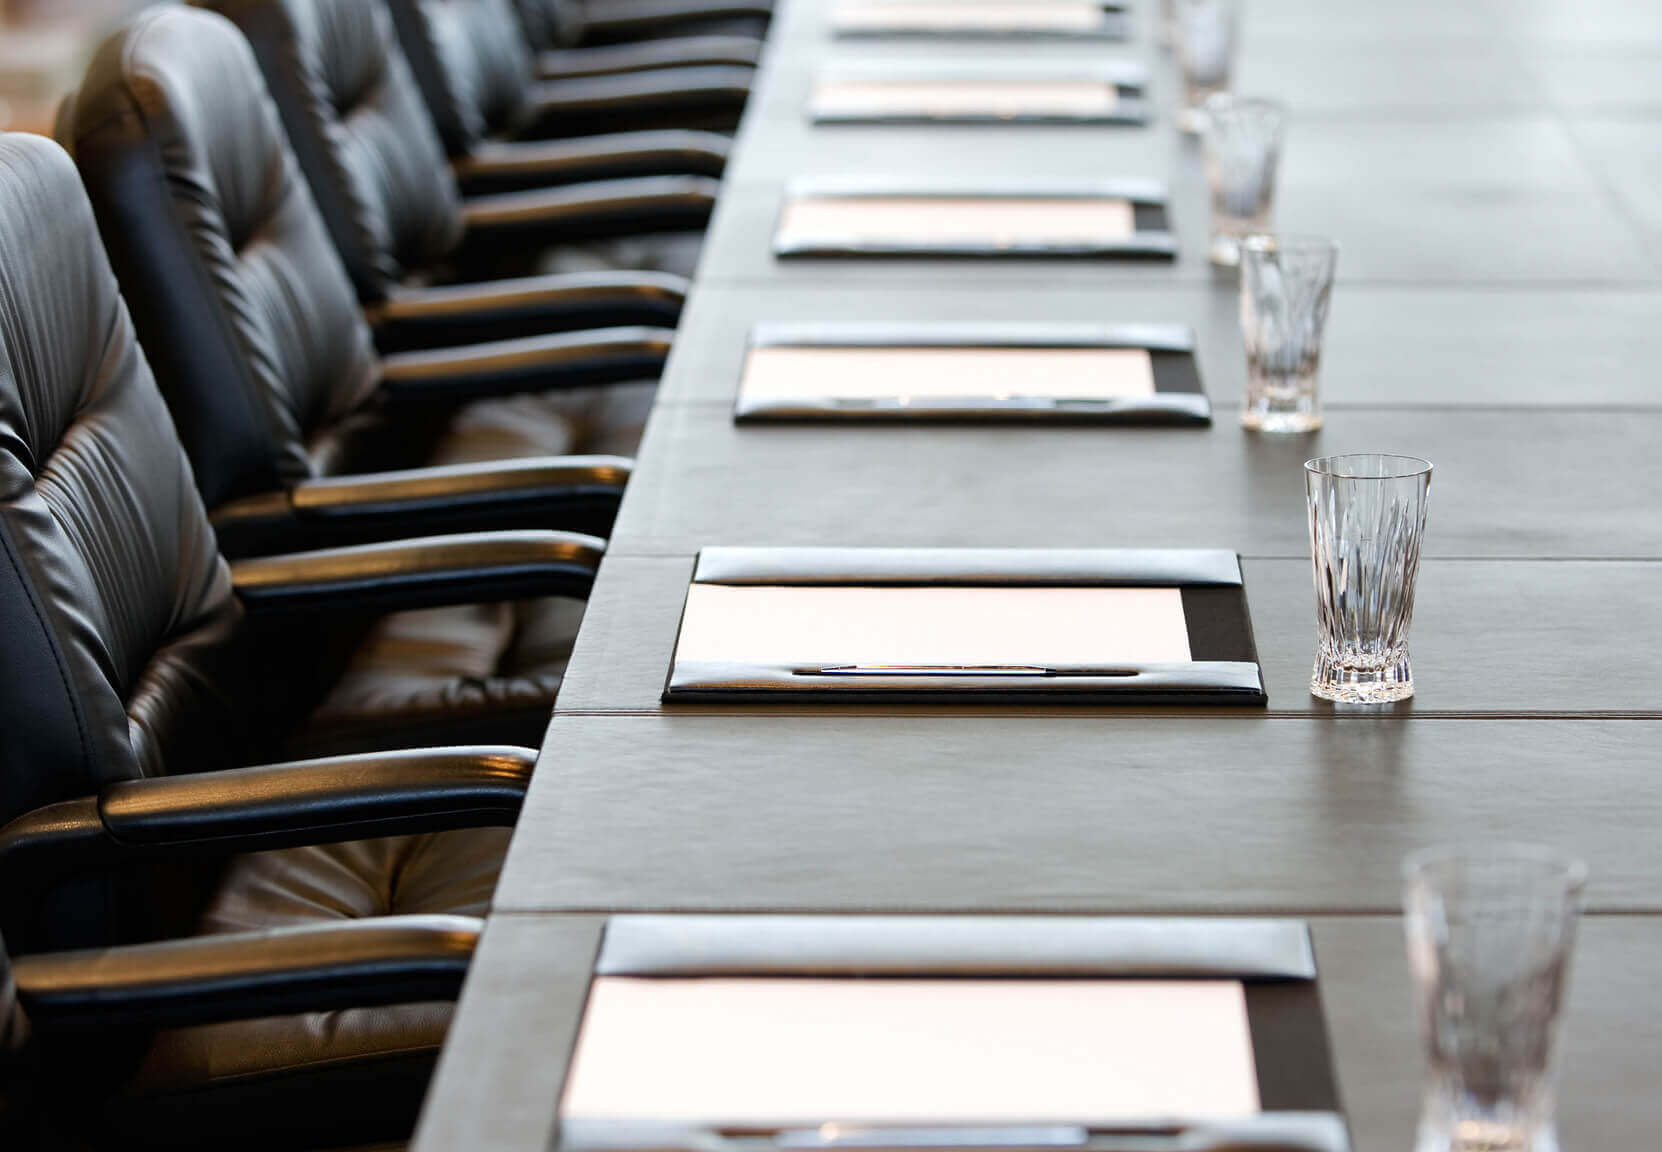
x=480, y=81
x=223, y=255
x=549, y=24
x=119, y=613
x=364, y=139
x=127, y=657
x=472, y=64
x=553, y=24
x=360, y=129
x=273, y=324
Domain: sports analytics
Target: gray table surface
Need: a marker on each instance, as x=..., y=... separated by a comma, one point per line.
x=1491, y=171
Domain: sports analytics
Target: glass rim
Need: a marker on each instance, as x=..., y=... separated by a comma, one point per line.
x=1572, y=870
x=1283, y=241
x=1408, y=466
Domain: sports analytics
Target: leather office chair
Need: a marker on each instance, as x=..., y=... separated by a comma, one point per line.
x=289, y=418
x=368, y=147
x=298, y=435
x=480, y=80
x=141, y=682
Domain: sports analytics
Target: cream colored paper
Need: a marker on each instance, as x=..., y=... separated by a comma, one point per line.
x=808, y=1051
x=965, y=98
x=822, y=626
x=948, y=220
x=866, y=372
x=967, y=15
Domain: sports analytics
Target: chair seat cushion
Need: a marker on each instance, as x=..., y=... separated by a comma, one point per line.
x=673, y=252
x=195, y=1083
x=478, y=672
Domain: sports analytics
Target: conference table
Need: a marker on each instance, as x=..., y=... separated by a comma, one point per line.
x=1490, y=171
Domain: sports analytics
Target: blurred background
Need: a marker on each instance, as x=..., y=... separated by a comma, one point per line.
x=43, y=50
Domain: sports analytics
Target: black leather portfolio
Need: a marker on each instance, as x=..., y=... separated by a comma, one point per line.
x=1125, y=374
x=754, y=1033
x=1118, y=219
x=942, y=624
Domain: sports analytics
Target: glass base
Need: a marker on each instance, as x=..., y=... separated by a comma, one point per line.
x=1478, y=1136
x=1349, y=684
x=1282, y=403
x=1280, y=420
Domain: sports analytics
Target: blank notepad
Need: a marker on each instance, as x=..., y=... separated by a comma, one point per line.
x=774, y=1051
x=967, y=15
x=791, y=372
x=931, y=626
x=965, y=98
x=923, y=220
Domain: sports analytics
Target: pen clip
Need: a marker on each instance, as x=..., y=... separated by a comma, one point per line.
x=926, y=670
x=916, y=1138
x=967, y=670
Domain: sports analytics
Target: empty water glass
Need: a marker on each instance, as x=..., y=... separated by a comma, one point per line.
x=1490, y=934
x=1243, y=150
x=1367, y=515
x=1286, y=284
x=1206, y=38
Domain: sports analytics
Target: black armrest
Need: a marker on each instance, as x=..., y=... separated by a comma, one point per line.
x=536, y=364
x=575, y=493
x=525, y=306
x=579, y=213
x=706, y=97
x=253, y=809
x=321, y=801
x=245, y=975
x=421, y=573
x=513, y=167
x=649, y=55
x=639, y=19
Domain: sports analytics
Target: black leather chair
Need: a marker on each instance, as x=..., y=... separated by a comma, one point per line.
x=481, y=82
x=143, y=679
x=695, y=31
x=299, y=434
x=369, y=149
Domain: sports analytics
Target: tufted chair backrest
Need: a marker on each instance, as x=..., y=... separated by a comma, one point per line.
x=117, y=609
x=549, y=24
x=361, y=130
x=238, y=295
x=472, y=62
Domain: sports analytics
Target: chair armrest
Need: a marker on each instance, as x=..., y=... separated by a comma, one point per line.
x=536, y=364
x=638, y=19
x=703, y=97
x=245, y=975
x=526, y=306
x=575, y=493
x=422, y=573
x=517, y=166
x=323, y=801
x=649, y=55
x=579, y=213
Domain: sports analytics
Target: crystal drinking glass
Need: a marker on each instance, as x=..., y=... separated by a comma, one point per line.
x=1367, y=515
x=1206, y=39
x=1286, y=285
x=1243, y=150
x=1490, y=933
